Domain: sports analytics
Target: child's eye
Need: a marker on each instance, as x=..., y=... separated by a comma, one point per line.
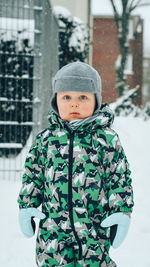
x=83, y=97
x=67, y=97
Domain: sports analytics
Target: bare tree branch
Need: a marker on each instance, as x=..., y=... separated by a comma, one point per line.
x=133, y=5
x=114, y=7
x=116, y=14
x=132, y=2
x=138, y=4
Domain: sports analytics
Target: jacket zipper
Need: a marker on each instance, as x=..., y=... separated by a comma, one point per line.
x=70, y=194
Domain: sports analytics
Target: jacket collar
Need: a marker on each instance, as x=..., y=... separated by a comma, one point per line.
x=104, y=118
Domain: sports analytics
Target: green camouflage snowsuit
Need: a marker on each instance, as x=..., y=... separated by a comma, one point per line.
x=79, y=177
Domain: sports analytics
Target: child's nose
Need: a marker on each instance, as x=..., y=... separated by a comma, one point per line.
x=75, y=104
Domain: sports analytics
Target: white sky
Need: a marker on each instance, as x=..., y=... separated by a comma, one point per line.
x=103, y=7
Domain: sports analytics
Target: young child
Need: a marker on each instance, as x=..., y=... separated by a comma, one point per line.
x=78, y=172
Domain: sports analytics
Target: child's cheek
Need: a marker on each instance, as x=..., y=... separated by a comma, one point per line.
x=62, y=108
x=63, y=111
x=88, y=109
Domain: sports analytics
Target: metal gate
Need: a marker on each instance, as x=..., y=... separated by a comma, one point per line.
x=28, y=61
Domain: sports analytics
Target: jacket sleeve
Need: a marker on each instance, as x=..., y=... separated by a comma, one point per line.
x=31, y=193
x=118, y=180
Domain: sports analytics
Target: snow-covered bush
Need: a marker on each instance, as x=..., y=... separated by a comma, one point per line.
x=73, y=37
x=147, y=109
x=125, y=107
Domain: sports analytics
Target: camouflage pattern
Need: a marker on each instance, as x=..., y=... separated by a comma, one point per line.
x=79, y=178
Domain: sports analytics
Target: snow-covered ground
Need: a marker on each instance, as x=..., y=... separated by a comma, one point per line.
x=17, y=251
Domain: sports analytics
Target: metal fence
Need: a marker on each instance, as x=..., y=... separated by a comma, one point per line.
x=28, y=61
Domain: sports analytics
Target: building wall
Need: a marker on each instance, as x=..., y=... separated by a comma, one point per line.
x=105, y=53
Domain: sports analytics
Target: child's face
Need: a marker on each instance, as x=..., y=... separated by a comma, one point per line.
x=75, y=105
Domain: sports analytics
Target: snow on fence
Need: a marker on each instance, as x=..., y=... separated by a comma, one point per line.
x=28, y=61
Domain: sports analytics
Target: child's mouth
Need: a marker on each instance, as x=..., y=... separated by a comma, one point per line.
x=75, y=113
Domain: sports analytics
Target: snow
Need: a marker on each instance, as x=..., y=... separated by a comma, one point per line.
x=60, y=11
x=10, y=28
x=16, y=250
x=10, y=145
x=79, y=35
x=10, y=165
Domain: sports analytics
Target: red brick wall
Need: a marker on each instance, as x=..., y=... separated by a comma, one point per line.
x=105, y=52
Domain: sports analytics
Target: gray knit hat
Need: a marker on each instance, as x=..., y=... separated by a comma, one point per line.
x=78, y=77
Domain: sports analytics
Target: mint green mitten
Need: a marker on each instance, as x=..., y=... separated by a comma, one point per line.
x=26, y=222
x=121, y=222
